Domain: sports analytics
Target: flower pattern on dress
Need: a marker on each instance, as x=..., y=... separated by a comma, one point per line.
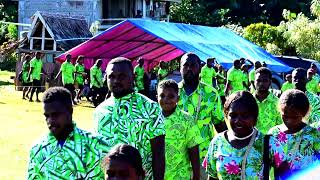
x=232, y=168
x=282, y=137
x=224, y=161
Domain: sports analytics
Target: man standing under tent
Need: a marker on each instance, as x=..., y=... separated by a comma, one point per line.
x=131, y=118
x=208, y=73
x=139, y=76
x=269, y=115
x=67, y=70
x=35, y=75
x=201, y=101
x=252, y=73
x=235, y=81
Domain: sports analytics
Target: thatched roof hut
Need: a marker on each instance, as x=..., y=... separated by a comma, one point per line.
x=56, y=32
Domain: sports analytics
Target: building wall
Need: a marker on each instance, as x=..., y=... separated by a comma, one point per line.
x=90, y=9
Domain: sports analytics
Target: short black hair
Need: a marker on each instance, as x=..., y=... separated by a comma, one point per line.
x=192, y=55
x=122, y=60
x=79, y=57
x=295, y=99
x=60, y=94
x=27, y=57
x=235, y=62
x=127, y=154
x=264, y=70
x=169, y=84
x=244, y=97
x=300, y=70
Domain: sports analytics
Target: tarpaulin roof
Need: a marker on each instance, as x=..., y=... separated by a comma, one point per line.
x=156, y=41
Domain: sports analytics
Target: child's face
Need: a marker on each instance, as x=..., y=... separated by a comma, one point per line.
x=241, y=119
x=291, y=117
x=167, y=98
x=118, y=170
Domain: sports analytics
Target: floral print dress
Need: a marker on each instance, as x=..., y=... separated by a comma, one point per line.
x=302, y=148
x=224, y=161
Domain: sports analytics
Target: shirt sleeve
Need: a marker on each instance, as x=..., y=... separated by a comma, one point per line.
x=156, y=123
x=217, y=112
x=63, y=67
x=33, y=166
x=230, y=76
x=193, y=135
x=209, y=162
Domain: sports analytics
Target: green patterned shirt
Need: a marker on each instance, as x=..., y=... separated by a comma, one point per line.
x=287, y=85
x=96, y=77
x=207, y=74
x=78, y=158
x=182, y=133
x=252, y=73
x=314, y=116
x=235, y=76
x=67, y=70
x=134, y=120
x=313, y=86
x=36, y=64
x=139, y=73
x=209, y=111
x=269, y=116
x=79, y=77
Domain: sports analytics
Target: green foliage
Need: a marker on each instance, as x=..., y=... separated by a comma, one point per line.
x=12, y=32
x=9, y=64
x=244, y=13
x=304, y=35
x=315, y=8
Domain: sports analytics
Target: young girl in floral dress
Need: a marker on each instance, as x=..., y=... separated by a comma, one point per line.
x=238, y=152
x=301, y=142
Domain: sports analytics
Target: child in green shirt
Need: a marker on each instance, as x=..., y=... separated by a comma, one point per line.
x=182, y=135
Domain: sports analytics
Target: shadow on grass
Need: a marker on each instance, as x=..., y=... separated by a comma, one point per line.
x=5, y=83
x=87, y=106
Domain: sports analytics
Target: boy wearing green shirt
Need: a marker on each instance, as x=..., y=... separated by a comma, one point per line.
x=162, y=72
x=288, y=84
x=96, y=83
x=182, y=135
x=67, y=152
x=139, y=74
x=26, y=83
x=67, y=70
x=35, y=75
x=79, y=73
x=208, y=73
x=235, y=81
x=269, y=116
x=312, y=84
x=252, y=73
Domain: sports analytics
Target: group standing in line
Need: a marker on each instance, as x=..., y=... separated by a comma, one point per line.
x=189, y=133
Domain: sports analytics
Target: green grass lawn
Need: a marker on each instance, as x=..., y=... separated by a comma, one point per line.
x=22, y=124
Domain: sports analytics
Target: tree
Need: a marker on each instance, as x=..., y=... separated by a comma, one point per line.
x=9, y=13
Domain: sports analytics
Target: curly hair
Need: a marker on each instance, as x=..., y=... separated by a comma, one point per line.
x=60, y=94
x=295, y=99
x=169, y=84
x=127, y=154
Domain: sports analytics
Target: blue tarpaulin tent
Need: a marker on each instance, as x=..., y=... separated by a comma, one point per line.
x=155, y=41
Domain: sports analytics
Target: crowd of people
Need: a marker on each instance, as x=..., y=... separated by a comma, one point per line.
x=211, y=125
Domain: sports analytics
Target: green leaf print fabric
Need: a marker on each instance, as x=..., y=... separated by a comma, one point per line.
x=134, y=120
x=209, y=113
x=78, y=158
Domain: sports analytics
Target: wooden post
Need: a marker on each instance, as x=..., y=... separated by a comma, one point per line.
x=43, y=37
x=31, y=43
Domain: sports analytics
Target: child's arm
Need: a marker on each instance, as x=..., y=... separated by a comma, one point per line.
x=195, y=161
